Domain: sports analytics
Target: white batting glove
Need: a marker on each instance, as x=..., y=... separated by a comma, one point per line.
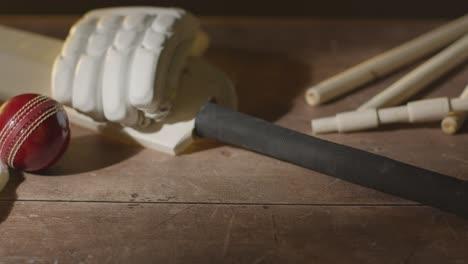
x=123, y=64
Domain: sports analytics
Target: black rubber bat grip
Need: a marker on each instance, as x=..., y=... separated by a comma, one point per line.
x=343, y=162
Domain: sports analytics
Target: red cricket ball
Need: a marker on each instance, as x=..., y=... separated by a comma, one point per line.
x=34, y=132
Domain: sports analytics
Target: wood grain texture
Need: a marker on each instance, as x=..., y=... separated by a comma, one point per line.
x=48, y=232
x=86, y=199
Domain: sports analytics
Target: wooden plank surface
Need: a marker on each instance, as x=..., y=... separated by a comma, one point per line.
x=271, y=61
x=49, y=232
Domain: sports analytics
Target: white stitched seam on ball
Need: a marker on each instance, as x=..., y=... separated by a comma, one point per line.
x=30, y=129
x=19, y=142
x=26, y=109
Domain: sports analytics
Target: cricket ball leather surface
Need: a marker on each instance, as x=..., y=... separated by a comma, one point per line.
x=34, y=132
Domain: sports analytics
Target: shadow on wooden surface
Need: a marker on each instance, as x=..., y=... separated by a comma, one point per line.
x=330, y=8
x=16, y=178
x=89, y=153
x=269, y=91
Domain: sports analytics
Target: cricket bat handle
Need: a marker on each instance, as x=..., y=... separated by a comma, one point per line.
x=339, y=161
